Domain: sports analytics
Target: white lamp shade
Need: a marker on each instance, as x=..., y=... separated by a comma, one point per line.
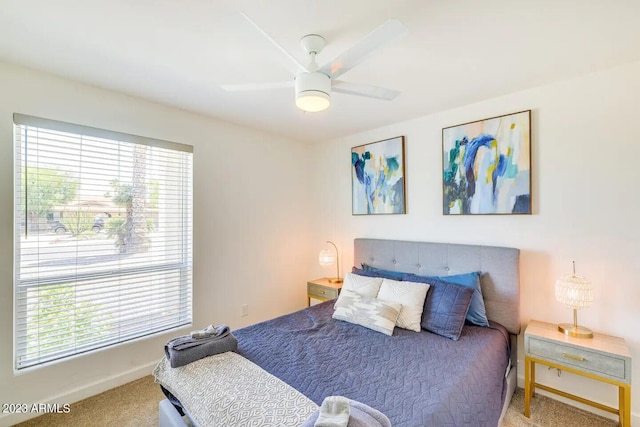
x=313, y=91
x=574, y=291
x=326, y=257
x=313, y=101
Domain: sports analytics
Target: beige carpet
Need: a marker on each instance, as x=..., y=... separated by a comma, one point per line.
x=138, y=407
x=136, y=403
x=546, y=412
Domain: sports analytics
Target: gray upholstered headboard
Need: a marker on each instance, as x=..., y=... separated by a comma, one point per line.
x=500, y=280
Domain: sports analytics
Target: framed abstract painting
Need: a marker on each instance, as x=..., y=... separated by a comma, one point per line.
x=377, y=178
x=487, y=166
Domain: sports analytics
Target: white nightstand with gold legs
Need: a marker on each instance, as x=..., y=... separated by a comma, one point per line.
x=603, y=358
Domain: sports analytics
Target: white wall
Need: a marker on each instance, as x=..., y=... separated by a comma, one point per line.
x=585, y=154
x=257, y=227
x=251, y=227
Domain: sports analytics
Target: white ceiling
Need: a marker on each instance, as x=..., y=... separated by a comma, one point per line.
x=180, y=52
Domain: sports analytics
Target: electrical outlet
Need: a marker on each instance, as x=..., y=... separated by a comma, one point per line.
x=244, y=310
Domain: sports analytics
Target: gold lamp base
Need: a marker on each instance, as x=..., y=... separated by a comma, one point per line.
x=575, y=331
x=335, y=280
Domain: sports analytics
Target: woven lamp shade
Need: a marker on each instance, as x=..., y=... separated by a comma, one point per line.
x=326, y=257
x=574, y=291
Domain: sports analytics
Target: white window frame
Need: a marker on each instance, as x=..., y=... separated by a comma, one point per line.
x=183, y=267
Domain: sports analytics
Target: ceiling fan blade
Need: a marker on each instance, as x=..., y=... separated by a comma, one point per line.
x=256, y=86
x=297, y=66
x=381, y=36
x=364, y=90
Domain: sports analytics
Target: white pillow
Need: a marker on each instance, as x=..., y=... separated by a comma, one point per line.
x=369, y=312
x=411, y=295
x=365, y=286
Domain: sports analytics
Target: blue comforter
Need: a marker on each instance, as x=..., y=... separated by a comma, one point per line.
x=415, y=378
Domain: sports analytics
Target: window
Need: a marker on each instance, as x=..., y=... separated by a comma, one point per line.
x=103, y=238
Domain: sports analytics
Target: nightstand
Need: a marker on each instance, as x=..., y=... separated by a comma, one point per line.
x=602, y=358
x=322, y=290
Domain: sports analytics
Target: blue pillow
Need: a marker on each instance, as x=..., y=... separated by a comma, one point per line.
x=445, y=307
x=361, y=272
x=387, y=274
x=477, y=314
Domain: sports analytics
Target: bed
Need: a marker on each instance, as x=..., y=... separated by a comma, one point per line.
x=414, y=378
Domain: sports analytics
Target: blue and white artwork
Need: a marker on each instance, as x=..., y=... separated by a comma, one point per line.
x=377, y=177
x=487, y=166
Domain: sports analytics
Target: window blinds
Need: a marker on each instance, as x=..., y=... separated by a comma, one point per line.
x=103, y=238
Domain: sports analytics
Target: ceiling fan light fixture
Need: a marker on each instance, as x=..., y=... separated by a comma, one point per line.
x=313, y=84
x=313, y=91
x=312, y=101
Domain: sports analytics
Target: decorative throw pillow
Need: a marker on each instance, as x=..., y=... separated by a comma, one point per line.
x=411, y=296
x=477, y=314
x=445, y=308
x=388, y=274
x=366, y=286
x=369, y=312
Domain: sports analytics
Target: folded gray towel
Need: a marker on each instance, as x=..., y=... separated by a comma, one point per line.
x=187, y=341
x=334, y=412
x=193, y=350
x=360, y=415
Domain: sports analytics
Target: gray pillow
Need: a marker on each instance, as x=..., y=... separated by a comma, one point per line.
x=445, y=307
x=372, y=313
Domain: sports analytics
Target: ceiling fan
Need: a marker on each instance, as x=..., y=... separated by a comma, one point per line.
x=314, y=84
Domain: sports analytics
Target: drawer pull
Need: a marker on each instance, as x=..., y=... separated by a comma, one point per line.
x=321, y=292
x=571, y=356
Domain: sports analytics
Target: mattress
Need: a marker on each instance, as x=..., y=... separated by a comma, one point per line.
x=415, y=378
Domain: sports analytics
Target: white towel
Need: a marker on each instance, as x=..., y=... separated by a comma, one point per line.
x=334, y=412
x=360, y=415
x=208, y=332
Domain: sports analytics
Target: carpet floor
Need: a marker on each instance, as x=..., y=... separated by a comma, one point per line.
x=137, y=402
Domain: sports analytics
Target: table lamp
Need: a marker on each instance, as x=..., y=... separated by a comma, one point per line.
x=575, y=292
x=328, y=257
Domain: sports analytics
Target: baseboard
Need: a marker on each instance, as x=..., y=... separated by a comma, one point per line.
x=83, y=392
x=635, y=417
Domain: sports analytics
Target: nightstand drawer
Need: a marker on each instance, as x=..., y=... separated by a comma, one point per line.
x=323, y=292
x=571, y=356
